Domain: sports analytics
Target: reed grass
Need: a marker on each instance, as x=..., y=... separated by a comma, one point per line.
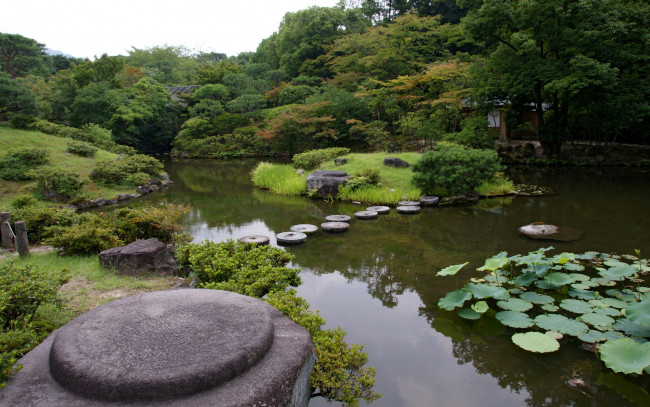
x=378, y=195
x=500, y=184
x=279, y=178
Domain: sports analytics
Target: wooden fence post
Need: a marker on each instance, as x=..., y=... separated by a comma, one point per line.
x=5, y=231
x=22, y=243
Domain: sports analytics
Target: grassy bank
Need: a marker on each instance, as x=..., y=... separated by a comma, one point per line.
x=13, y=140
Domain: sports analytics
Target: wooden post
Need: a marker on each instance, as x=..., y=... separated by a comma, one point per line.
x=5, y=231
x=22, y=243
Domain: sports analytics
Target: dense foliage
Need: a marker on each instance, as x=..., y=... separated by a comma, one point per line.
x=313, y=158
x=16, y=165
x=260, y=271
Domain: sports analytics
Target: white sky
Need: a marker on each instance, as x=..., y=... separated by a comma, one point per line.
x=88, y=28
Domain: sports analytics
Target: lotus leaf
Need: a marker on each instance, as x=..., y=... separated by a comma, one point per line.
x=612, y=312
x=597, y=320
x=554, y=335
x=589, y=283
x=563, y=257
x=613, y=302
x=451, y=270
x=468, y=313
x=560, y=323
x=631, y=329
x=537, y=298
x=516, y=291
x=625, y=355
x=531, y=258
x=515, y=304
x=497, y=277
x=643, y=289
x=543, y=285
x=592, y=336
x=480, y=307
x=576, y=306
x=558, y=267
x=580, y=277
x=613, y=335
x=494, y=263
x=583, y=294
x=454, y=299
x=619, y=272
x=514, y=319
x=540, y=269
x=557, y=280
x=604, y=282
x=487, y=291
x=579, y=286
x=586, y=255
x=525, y=279
x=477, y=280
x=639, y=313
x=574, y=267
x=620, y=296
x=613, y=262
x=536, y=342
x=550, y=307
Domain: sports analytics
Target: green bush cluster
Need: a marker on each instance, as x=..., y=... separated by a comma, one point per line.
x=92, y=134
x=340, y=373
x=124, y=170
x=15, y=165
x=364, y=178
x=81, y=149
x=454, y=170
x=67, y=184
x=313, y=158
x=22, y=290
x=21, y=121
x=242, y=142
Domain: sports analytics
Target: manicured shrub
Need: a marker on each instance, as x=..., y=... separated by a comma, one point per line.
x=66, y=184
x=86, y=238
x=139, y=178
x=141, y=163
x=108, y=172
x=22, y=201
x=15, y=165
x=21, y=121
x=454, y=170
x=313, y=158
x=39, y=219
x=81, y=149
x=114, y=172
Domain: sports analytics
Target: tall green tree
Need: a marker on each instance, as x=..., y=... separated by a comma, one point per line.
x=19, y=55
x=15, y=97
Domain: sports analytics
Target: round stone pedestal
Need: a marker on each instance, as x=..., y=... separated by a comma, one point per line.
x=170, y=348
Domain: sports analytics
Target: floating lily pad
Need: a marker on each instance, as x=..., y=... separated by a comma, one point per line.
x=494, y=263
x=516, y=291
x=468, y=313
x=557, y=280
x=525, y=279
x=487, y=291
x=480, y=307
x=580, y=286
x=612, y=312
x=613, y=302
x=537, y=298
x=592, y=336
x=631, y=329
x=579, y=277
x=544, y=285
x=583, y=294
x=550, y=308
x=598, y=320
x=576, y=306
x=639, y=313
x=560, y=323
x=536, y=342
x=618, y=272
x=574, y=267
x=625, y=355
x=477, y=280
x=613, y=335
x=586, y=255
x=604, y=282
x=451, y=270
x=454, y=299
x=515, y=304
x=514, y=319
x=554, y=335
x=531, y=258
x=589, y=283
x=563, y=257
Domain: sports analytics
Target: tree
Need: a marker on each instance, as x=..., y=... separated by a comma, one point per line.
x=102, y=69
x=15, y=97
x=18, y=54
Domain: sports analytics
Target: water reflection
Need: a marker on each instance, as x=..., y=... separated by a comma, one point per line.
x=378, y=280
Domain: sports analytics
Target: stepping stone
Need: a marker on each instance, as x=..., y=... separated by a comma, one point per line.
x=304, y=228
x=290, y=237
x=259, y=240
x=408, y=210
x=338, y=218
x=408, y=203
x=382, y=210
x=429, y=200
x=366, y=215
x=335, y=227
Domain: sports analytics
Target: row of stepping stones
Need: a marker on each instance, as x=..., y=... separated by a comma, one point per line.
x=340, y=223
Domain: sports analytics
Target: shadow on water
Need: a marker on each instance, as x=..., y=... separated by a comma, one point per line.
x=378, y=280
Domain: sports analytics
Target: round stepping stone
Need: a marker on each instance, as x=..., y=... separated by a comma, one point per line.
x=336, y=227
x=304, y=228
x=338, y=218
x=366, y=215
x=408, y=203
x=382, y=210
x=290, y=237
x=428, y=200
x=408, y=210
x=259, y=240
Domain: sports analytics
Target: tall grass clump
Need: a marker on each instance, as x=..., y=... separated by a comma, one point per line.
x=279, y=178
x=377, y=194
x=500, y=184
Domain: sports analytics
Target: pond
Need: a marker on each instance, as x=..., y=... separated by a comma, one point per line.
x=377, y=281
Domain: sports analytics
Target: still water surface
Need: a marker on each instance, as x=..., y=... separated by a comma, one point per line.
x=378, y=282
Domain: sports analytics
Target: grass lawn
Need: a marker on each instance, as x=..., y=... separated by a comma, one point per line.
x=12, y=140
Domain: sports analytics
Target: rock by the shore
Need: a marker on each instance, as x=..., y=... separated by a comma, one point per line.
x=139, y=257
x=395, y=162
x=326, y=183
x=543, y=231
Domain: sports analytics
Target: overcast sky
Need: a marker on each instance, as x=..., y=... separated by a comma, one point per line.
x=88, y=28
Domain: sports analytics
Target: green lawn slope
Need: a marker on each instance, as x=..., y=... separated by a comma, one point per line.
x=12, y=140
